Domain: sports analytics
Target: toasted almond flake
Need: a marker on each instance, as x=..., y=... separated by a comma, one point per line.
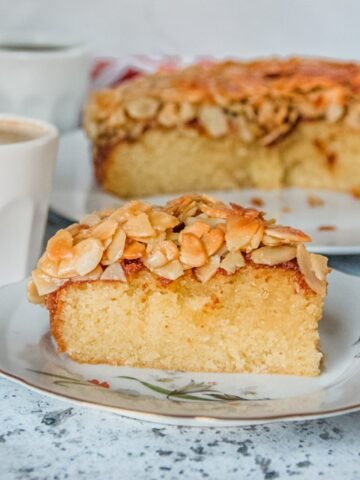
x=161, y=253
x=214, y=121
x=305, y=264
x=334, y=112
x=50, y=267
x=91, y=219
x=114, y=272
x=187, y=112
x=319, y=265
x=170, y=271
x=142, y=108
x=273, y=255
x=255, y=239
x=74, y=229
x=232, y=262
x=192, y=250
x=105, y=229
x=133, y=251
x=32, y=293
x=271, y=241
x=60, y=245
x=213, y=240
x=93, y=275
x=217, y=210
x=287, y=234
x=139, y=226
x=161, y=220
x=117, y=118
x=352, y=119
x=168, y=115
x=87, y=255
x=155, y=259
x=239, y=231
x=116, y=248
x=45, y=284
x=208, y=270
x=197, y=228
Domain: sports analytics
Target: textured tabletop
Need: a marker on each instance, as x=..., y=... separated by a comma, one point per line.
x=43, y=438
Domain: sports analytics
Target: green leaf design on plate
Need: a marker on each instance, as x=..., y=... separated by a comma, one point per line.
x=187, y=391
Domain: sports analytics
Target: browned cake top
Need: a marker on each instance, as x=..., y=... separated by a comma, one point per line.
x=192, y=232
x=261, y=100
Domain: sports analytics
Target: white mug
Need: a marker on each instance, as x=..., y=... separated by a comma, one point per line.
x=43, y=77
x=26, y=173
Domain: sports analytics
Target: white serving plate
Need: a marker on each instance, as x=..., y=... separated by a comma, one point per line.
x=27, y=356
x=76, y=194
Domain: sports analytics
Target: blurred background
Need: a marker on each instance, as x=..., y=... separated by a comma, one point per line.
x=220, y=27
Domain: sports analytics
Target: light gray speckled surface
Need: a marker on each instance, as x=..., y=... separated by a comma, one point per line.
x=43, y=438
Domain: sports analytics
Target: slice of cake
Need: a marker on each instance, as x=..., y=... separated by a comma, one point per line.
x=267, y=124
x=195, y=285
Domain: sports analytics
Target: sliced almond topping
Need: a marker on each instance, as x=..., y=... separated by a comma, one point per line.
x=105, y=229
x=87, y=255
x=197, y=228
x=50, y=267
x=213, y=240
x=139, y=226
x=116, y=248
x=271, y=241
x=273, y=255
x=239, y=231
x=60, y=245
x=74, y=229
x=232, y=262
x=187, y=112
x=214, y=121
x=142, y=108
x=162, y=220
x=192, y=250
x=161, y=253
x=217, y=210
x=334, y=112
x=352, y=119
x=319, y=265
x=168, y=116
x=208, y=270
x=32, y=293
x=133, y=251
x=93, y=275
x=91, y=219
x=255, y=239
x=45, y=284
x=171, y=270
x=114, y=272
x=287, y=234
x=155, y=259
x=305, y=264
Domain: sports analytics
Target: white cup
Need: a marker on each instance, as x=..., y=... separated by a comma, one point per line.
x=43, y=77
x=26, y=172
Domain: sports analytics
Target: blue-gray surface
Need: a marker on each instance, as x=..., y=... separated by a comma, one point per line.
x=43, y=438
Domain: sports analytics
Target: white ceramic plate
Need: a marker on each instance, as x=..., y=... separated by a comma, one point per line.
x=76, y=194
x=28, y=356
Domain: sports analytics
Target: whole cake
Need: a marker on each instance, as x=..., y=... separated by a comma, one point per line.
x=217, y=126
x=195, y=285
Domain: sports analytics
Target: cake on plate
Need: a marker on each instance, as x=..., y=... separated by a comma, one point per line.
x=219, y=126
x=194, y=285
